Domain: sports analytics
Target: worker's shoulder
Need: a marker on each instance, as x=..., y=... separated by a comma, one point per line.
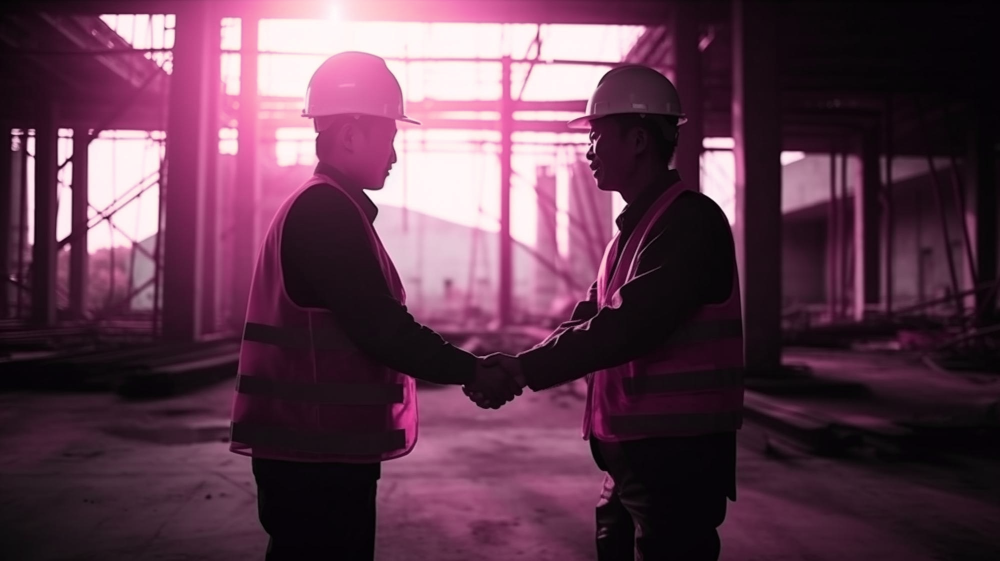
x=323, y=195
x=322, y=200
x=323, y=207
x=695, y=209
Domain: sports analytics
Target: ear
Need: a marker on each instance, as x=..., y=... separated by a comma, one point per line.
x=348, y=136
x=640, y=140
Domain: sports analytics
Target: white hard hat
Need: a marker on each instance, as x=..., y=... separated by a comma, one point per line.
x=632, y=88
x=354, y=83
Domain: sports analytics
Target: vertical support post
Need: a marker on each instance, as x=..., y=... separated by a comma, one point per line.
x=43, y=252
x=78, y=255
x=982, y=182
x=210, y=240
x=197, y=36
x=833, y=244
x=687, y=74
x=866, y=227
x=888, y=214
x=20, y=174
x=246, y=194
x=505, y=304
x=844, y=240
x=757, y=151
x=7, y=232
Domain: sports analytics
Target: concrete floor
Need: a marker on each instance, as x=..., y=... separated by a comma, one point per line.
x=93, y=477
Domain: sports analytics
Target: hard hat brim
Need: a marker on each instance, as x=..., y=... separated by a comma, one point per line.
x=584, y=122
x=402, y=118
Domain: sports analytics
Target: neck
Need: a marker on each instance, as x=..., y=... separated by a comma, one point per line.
x=337, y=174
x=642, y=179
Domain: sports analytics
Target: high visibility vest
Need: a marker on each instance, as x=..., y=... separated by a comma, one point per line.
x=692, y=384
x=304, y=391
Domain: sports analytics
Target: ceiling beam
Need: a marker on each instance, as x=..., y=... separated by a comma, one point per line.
x=619, y=12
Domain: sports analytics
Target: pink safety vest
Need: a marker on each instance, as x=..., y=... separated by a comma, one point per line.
x=304, y=392
x=691, y=385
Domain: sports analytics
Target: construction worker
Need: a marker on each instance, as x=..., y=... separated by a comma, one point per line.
x=325, y=390
x=659, y=338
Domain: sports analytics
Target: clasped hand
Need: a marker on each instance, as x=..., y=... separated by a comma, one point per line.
x=495, y=382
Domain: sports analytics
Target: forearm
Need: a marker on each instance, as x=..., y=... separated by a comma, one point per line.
x=327, y=244
x=386, y=332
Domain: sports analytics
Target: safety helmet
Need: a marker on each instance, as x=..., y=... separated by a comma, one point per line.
x=632, y=88
x=354, y=83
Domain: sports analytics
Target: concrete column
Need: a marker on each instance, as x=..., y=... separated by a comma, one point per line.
x=7, y=232
x=982, y=184
x=687, y=75
x=43, y=251
x=888, y=225
x=506, y=296
x=834, y=241
x=78, y=256
x=246, y=192
x=197, y=37
x=210, y=242
x=757, y=151
x=867, y=221
x=18, y=223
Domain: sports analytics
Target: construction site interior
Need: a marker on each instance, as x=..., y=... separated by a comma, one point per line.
x=852, y=145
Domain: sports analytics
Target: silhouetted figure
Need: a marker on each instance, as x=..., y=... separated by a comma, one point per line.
x=659, y=338
x=325, y=390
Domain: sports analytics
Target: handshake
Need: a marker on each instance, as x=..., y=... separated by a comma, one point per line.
x=498, y=380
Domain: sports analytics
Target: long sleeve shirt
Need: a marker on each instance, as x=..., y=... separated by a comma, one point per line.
x=327, y=262
x=686, y=263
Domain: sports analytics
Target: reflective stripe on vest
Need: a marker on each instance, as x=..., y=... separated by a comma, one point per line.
x=694, y=381
x=643, y=425
x=321, y=394
x=352, y=444
x=701, y=331
x=322, y=339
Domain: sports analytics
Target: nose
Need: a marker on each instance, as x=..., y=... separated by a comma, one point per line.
x=392, y=159
x=590, y=153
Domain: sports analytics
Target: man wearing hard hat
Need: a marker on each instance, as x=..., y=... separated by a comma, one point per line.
x=659, y=339
x=325, y=390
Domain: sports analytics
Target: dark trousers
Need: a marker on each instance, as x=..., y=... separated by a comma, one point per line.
x=663, y=499
x=315, y=511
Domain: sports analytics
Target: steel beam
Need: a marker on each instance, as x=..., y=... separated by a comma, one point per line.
x=7, y=233
x=246, y=192
x=757, y=151
x=867, y=220
x=188, y=149
x=19, y=222
x=505, y=301
x=292, y=106
x=43, y=251
x=833, y=242
x=208, y=306
x=687, y=62
x=78, y=255
x=620, y=12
